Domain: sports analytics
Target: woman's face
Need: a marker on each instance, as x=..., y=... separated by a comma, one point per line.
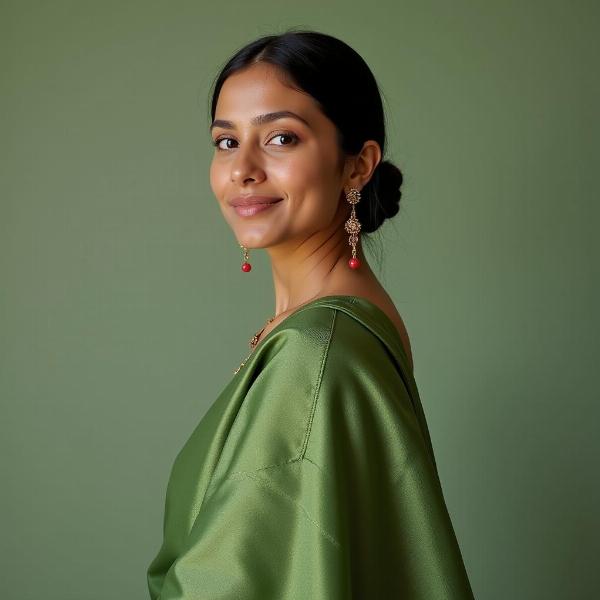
x=293, y=159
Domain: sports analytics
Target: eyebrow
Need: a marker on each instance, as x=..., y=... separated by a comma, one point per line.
x=260, y=119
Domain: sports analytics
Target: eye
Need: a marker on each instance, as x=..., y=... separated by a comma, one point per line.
x=218, y=141
x=286, y=134
x=282, y=134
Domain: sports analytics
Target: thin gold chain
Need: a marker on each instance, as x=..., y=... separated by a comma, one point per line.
x=255, y=338
x=253, y=342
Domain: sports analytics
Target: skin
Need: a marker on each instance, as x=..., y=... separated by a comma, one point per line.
x=301, y=163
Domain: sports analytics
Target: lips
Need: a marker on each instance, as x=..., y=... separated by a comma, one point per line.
x=252, y=200
x=249, y=210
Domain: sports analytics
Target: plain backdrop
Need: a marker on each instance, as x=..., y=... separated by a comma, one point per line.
x=123, y=309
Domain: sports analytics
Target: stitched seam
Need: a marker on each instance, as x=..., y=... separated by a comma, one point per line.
x=213, y=482
x=273, y=488
x=254, y=473
x=318, y=385
x=272, y=466
x=314, y=464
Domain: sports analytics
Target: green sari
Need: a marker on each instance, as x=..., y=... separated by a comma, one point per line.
x=312, y=475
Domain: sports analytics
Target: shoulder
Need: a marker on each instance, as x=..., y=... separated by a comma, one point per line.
x=275, y=395
x=270, y=400
x=320, y=355
x=314, y=323
x=359, y=368
x=320, y=382
x=309, y=337
x=299, y=342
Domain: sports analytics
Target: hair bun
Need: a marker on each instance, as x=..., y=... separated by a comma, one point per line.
x=383, y=194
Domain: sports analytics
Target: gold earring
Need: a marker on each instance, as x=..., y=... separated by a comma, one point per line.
x=352, y=226
x=246, y=266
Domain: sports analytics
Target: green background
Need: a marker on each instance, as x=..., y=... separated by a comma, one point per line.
x=123, y=309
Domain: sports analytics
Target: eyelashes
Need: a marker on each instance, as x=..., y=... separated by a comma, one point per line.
x=289, y=134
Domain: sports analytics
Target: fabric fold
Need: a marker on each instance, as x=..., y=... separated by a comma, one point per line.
x=312, y=476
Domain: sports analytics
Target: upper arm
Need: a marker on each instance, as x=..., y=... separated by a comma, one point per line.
x=255, y=539
x=325, y=487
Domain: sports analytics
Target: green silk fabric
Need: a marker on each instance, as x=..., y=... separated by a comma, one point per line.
x=312, y=475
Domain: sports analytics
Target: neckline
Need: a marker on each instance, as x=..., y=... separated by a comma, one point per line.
x=350, y=300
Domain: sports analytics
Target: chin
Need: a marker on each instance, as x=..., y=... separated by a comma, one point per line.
x=259, y=235
x=250, y=241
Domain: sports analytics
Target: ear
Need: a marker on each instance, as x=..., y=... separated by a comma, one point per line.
x=360, y=168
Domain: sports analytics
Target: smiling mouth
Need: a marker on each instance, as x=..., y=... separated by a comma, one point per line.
x=249, y=201
x=249, y=210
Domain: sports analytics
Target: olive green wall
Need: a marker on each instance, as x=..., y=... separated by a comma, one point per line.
x=123, y=310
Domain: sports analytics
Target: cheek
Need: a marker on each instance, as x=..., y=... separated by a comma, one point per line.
x=300, y=173
x=289, y=177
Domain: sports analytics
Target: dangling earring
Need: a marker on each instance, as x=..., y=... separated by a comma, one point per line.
x=246, y=266
x=352, y=226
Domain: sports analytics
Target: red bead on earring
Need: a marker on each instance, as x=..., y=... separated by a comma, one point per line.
x=246, y=266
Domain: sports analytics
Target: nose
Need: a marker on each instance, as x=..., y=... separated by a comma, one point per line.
x=246, y=166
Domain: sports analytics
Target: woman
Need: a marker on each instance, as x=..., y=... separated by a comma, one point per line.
x=312, y=475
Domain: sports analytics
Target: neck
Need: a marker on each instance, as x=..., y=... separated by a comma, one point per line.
x=315, y=267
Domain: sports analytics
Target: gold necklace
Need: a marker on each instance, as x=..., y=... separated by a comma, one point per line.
x=253, y=341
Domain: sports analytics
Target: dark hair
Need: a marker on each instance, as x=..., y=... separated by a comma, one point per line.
x=344, y=87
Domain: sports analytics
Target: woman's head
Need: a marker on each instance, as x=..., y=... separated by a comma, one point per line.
x=337, y=141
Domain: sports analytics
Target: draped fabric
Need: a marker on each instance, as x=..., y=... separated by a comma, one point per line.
x=312, y=475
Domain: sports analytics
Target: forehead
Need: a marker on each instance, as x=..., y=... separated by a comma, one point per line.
x=262, y=88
